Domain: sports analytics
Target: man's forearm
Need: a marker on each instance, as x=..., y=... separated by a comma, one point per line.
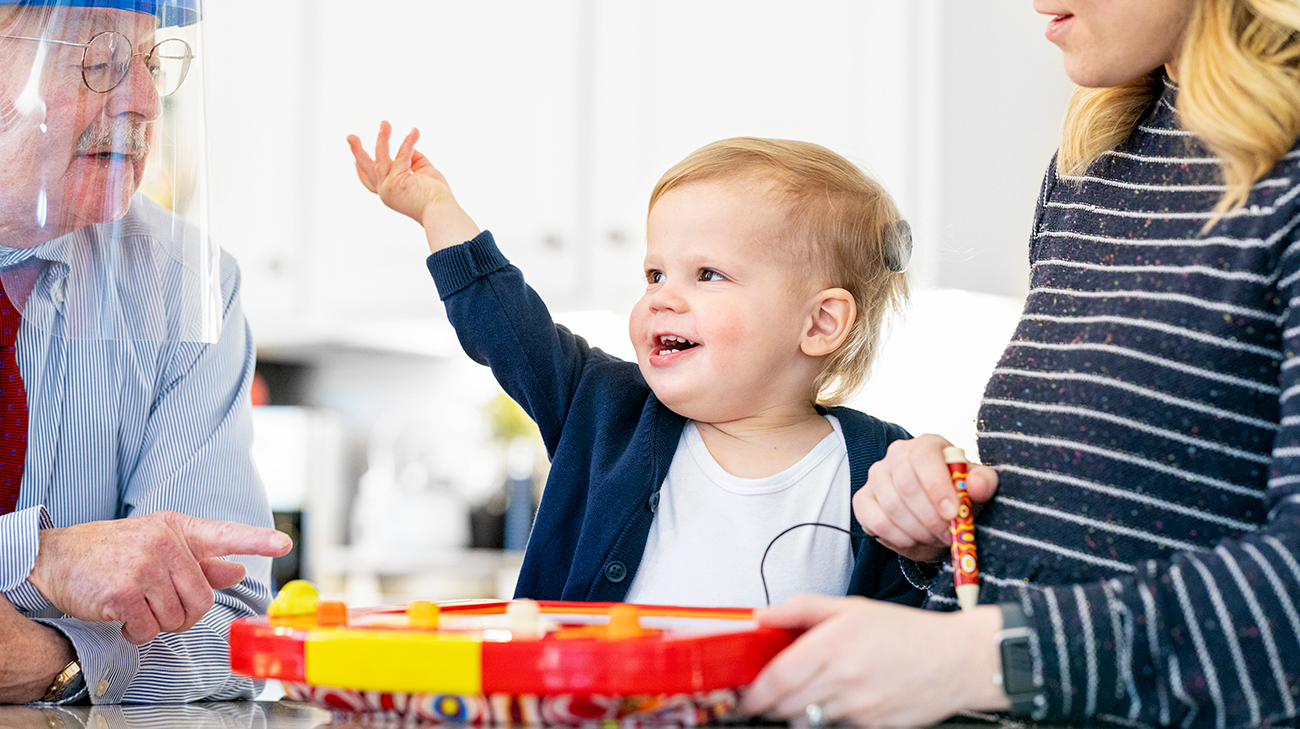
x=32, y=655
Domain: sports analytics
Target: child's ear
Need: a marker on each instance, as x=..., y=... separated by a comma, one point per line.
x=831, y=319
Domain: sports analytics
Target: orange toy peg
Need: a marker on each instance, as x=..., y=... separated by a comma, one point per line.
x=962, y=528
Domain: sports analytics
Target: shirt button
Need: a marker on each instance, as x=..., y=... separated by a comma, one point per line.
x=615, y=571
x=101, y=688
x=653, y=503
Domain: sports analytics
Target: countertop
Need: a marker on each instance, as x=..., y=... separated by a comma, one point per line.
x=213, y=715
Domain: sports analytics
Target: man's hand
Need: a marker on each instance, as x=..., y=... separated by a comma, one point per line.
x=411, y=185
x=909, y=497
x=878, y=664
x=31, y=655
x=152, y=573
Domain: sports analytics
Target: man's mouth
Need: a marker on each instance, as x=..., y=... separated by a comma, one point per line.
x=672, y=344
x=114, y=143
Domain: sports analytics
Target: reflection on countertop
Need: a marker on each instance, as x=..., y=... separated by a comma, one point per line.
x=207, y=715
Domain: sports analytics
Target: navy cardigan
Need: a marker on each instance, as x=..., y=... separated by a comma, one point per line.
x=609, y=438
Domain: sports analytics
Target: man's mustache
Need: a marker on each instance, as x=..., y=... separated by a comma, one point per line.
x=130, y=140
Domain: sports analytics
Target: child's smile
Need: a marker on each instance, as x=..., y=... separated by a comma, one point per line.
x=670, y=348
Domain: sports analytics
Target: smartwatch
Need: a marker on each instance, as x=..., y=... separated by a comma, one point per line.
x=1017, y=676
x=67, y=684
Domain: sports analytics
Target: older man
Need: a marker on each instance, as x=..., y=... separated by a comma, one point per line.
x=123, y=338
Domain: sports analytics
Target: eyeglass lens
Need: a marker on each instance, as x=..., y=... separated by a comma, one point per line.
x=107, y=62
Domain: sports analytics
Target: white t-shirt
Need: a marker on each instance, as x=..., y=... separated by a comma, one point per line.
x=711, y=529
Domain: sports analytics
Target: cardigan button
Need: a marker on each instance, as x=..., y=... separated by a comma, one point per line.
x=653, y=503
x=615, y=571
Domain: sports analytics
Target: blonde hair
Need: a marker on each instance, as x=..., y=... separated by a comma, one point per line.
x=848, y=222
x=1239, y=93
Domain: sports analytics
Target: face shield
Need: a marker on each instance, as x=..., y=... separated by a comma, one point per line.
x=103, y=186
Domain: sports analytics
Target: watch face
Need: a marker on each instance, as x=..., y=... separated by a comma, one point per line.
x=1017, y=666
x=67, y=683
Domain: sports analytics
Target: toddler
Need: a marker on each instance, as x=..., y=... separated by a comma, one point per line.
x=716, y=470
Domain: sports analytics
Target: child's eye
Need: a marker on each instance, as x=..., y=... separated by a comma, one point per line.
x=708, y=274
x=654, y=277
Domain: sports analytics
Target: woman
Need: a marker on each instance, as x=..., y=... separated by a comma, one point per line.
x=1142, y=428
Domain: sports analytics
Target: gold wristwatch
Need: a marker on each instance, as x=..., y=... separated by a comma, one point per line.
x=67, y=684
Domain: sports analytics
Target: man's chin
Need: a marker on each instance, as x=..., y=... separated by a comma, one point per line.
x=104, y=194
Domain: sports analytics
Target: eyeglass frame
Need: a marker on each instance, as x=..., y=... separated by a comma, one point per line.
x=189, y=56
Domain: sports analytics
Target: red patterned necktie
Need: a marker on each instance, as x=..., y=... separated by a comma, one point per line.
x=13, y=408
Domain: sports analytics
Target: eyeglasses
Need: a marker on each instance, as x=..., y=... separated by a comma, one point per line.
x=106, y=61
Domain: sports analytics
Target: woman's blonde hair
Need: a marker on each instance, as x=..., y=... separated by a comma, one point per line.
x=845, y=227
x=1239, y=92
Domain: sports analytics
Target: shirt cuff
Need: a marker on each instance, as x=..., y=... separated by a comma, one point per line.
x=108, y=662
x=20, y=536
x=459, y=266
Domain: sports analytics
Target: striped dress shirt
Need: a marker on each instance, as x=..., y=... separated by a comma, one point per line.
x=1145, y=426
x=131, y=426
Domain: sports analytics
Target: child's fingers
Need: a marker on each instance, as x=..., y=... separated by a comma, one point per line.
x=365, y=165
x=405, y=152
x=364, y=176
x=381, y=144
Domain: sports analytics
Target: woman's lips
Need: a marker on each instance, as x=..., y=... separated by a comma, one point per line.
x=1057, y=26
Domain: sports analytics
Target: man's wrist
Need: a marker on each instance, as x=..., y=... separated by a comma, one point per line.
x=35, y=655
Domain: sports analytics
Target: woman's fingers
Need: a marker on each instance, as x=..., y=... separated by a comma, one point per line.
x=982, y=483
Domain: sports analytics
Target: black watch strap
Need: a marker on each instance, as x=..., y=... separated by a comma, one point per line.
x=1017, y=677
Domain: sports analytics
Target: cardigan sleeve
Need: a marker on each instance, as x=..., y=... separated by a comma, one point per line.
x=502, y=323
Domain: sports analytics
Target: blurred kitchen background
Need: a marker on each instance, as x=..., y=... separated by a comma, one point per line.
x=392, y=458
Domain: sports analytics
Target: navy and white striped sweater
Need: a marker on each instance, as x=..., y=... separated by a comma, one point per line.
x=1145, y=425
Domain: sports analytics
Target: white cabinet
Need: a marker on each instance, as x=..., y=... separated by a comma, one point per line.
x=490, y=84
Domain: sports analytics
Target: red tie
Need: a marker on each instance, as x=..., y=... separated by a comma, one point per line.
x=13, y=408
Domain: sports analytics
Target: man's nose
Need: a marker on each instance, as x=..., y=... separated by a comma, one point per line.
x=137, y=94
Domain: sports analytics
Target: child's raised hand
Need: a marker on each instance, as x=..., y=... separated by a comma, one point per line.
x=411, y=185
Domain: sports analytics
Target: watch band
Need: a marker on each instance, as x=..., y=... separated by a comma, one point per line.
x=67, y=684
x=1017, y=676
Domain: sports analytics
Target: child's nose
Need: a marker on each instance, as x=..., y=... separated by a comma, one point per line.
x=667, y=298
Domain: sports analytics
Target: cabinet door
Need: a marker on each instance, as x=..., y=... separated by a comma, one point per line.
x=256, y=110
x=673, y=75
x=490, y=85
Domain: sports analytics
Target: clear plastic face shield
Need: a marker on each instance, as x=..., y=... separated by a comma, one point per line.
x=103, y=187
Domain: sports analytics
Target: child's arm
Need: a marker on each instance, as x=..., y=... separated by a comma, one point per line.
x=409, y=184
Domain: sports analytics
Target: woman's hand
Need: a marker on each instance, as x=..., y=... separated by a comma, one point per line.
x=411, y=185
x=875, y=663
x=909, y=497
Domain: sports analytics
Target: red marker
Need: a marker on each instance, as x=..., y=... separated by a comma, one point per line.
x=965, y=570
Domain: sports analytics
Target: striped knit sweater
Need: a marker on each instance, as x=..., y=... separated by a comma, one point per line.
x=1145, y=426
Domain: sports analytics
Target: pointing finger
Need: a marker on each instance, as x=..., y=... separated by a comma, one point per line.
x=209, y=538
